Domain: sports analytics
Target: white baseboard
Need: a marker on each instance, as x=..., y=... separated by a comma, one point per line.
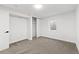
x=4, y=48
x=59, y=39
x=18, y=41
x=77, y=46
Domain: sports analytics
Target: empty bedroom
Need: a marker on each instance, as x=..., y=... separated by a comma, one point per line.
x=39, y=28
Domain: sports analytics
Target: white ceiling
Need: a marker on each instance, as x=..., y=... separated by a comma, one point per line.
x=47, y=10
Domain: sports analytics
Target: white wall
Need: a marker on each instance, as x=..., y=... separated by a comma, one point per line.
x=77, y=26
x=18, y=29
x=65, y=27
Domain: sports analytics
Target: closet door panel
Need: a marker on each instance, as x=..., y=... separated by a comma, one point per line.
x=18, y=29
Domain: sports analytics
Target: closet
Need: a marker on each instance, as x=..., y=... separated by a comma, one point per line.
x=18, y=28
x=34, y=27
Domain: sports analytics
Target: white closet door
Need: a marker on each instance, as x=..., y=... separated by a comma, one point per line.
x=4, y=28
x=18, y=29
x=29, y=28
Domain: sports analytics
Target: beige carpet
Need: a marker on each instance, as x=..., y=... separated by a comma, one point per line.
x=41, y=45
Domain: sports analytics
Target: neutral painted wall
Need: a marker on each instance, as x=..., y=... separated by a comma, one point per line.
x=4, y=26
x=18, y=29
x=77, y=26
x=65, y=27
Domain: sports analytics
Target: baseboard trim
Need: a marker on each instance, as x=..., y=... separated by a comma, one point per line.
x=17, y=42
x=77, y=46
x=57, y=39
x=4, y=48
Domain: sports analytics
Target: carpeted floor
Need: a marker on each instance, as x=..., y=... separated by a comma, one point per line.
x=42, y=45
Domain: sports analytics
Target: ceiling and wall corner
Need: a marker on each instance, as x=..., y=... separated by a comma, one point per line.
x=46, y=10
